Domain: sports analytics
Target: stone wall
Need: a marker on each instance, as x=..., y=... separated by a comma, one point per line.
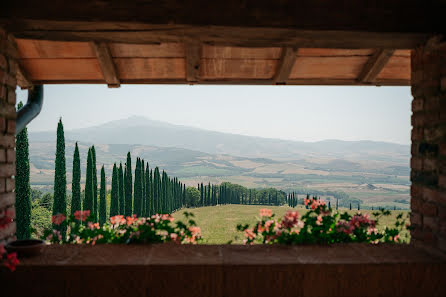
x=428, y=163
x=8, y=83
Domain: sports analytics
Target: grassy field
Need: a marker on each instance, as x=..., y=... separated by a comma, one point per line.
x=218, y=223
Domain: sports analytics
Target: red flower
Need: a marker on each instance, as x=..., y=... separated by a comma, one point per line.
x=81, y=215
x=58, y=219
x=11, y=261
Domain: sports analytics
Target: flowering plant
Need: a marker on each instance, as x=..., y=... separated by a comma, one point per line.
x=8, y=259
x=320, y=225
x=155, y=229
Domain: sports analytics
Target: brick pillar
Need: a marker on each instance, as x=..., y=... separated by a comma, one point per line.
x=8, y=85
x=428, y=163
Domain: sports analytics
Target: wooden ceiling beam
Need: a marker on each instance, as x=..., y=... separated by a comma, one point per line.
x=23, y=79
x=106, y=63
x=374, y=65
x=285, y=65
x=193, y=57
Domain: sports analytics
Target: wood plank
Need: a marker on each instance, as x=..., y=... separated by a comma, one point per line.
x=285, y=65
x=193, y=56
x=108, y=67
x=330, y=52
x=327, y=67
x=375, y=64
x=234, y=52
x=63, y=69
x=163, y=50
x=213, y=69
x=150, y=68
x=398, y=67
x=34, y=49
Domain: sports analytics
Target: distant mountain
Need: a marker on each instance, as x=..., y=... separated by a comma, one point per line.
x=143, y=131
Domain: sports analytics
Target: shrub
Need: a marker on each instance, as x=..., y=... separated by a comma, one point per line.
x=119, y=229
x=320, y=225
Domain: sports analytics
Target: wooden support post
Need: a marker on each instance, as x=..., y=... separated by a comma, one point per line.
x=193, y=56
x=285, y=65
x=374, y=65
x=108, y=67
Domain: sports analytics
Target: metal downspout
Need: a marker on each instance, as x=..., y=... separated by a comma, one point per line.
x=32, y=108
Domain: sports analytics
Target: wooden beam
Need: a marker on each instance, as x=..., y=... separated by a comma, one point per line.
x=215, y=35
x=108, y=67
x=193, y=56
x=353, y=15
x=23, y=79
x=285, y=65
x=297, y=82
x=374, y=65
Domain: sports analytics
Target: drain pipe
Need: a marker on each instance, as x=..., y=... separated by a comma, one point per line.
x=32, y=108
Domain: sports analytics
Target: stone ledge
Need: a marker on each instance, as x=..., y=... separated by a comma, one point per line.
x=228, y=270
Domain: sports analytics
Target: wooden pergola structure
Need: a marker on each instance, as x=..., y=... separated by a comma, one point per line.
x=218, y=42
x=262, y=42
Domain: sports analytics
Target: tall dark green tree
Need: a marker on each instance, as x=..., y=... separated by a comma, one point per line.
x=114, y=195
x=128, y=186
x=95, y=184
x=76, y=182
x=60, y=179
x=121, y=190
x=102, y=202
x=137, y=193
x=143, y=189
x=22, y=186
x=157, y=190
x=88, y=200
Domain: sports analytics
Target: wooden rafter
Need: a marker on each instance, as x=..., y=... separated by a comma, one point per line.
x=374, y=65
x=23, y=79
x=108, y=67
x=285, y=65
x=193, y=56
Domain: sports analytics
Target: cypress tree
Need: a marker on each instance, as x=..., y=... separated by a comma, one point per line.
x=157, y=190
x=88, y=200
x=95, y=184
x=76, y=182
x=128, y=186
x=114, y=195
x=137, y=189
x=60, y=179
x=121, y=191
x=148, y=207
x=22, y=186
x=102, y=202
x=143, y=188
x=152, y=199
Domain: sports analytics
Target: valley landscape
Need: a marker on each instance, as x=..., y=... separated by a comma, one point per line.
x=375, y=173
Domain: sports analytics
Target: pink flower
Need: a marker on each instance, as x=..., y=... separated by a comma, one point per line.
x=196, y=231
x=396, y=238
x=250, y=234
x=265, y=212
x=319, y=220
x=81, y=215
x=2, y=250
x=131, y=220
x=118, y=219
x=93, y=226
x=167, y=217
x=306, y=201
x=58, y=219
x=290, y=219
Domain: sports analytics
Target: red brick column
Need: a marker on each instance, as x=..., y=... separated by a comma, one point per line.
x=428, y=163
x=8, y=85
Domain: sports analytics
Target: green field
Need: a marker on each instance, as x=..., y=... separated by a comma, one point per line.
x=218, y=223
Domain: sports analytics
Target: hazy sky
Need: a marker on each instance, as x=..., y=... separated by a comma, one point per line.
x=307, y=113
